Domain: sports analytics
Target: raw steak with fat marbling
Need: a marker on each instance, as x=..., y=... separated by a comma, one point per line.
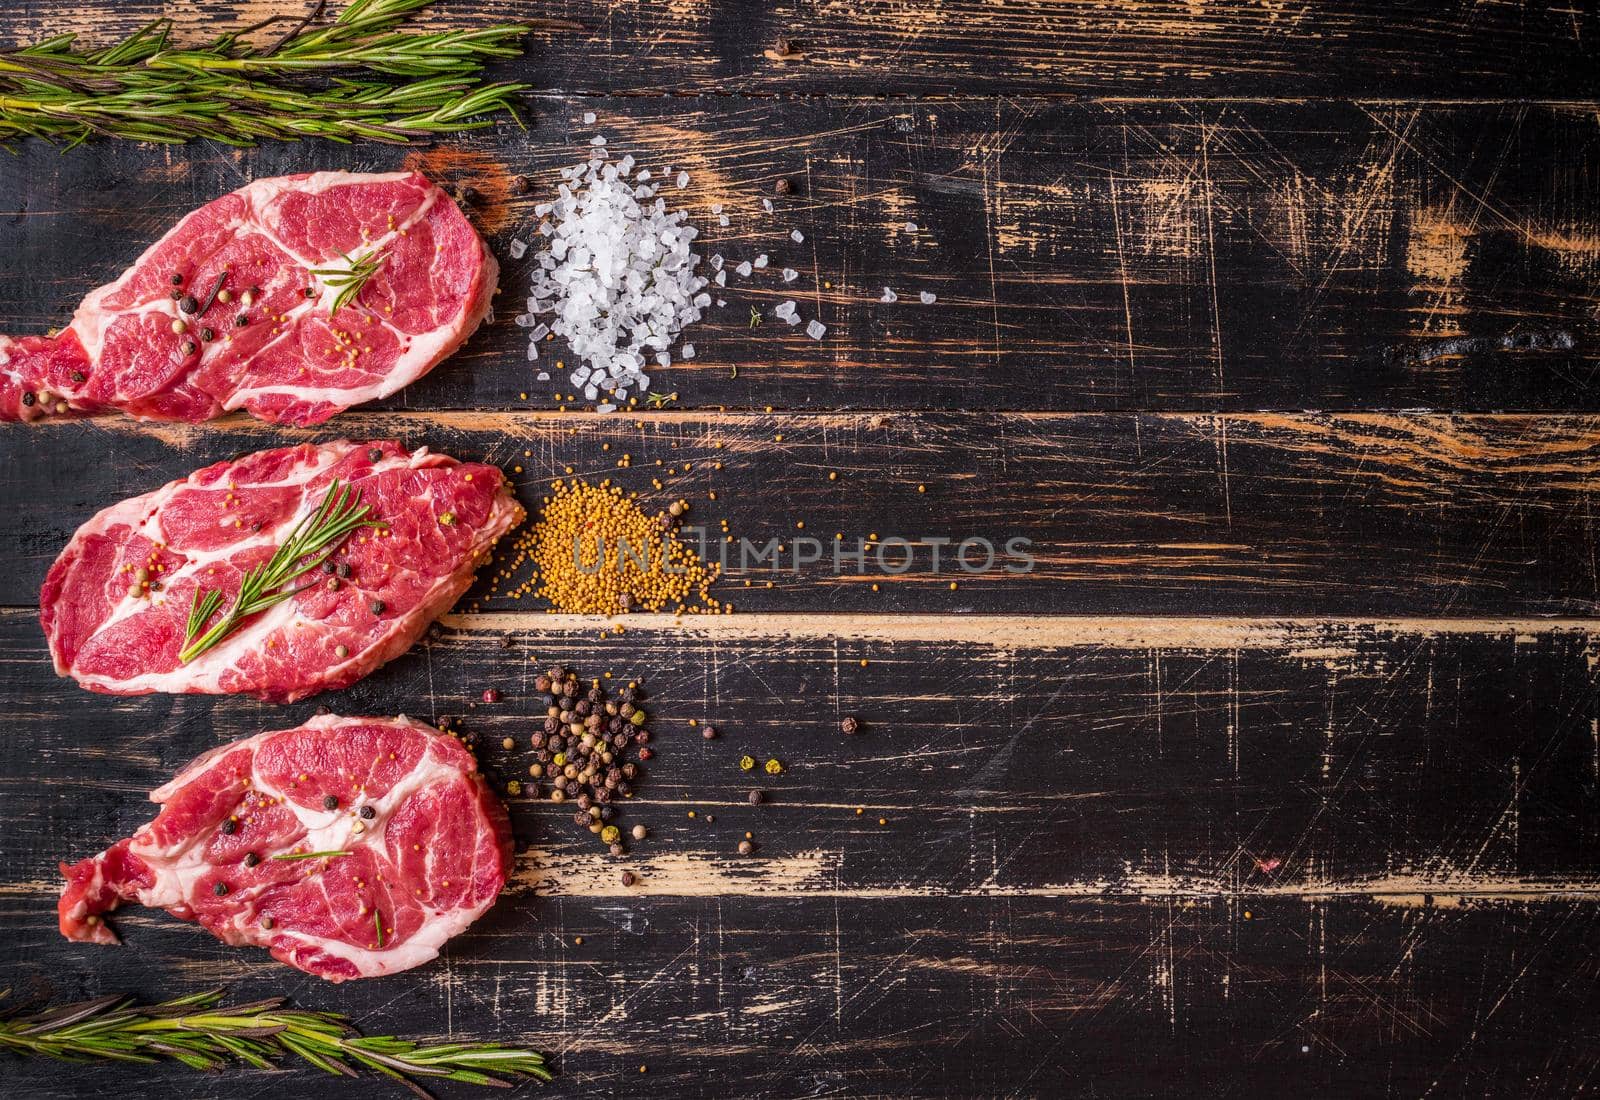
x=115, y=604
x=427, y=845
x=293, y=360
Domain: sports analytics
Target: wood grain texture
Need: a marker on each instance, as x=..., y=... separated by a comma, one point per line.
x=1068, y=884
x=1085, y=256
x=978, y=47
x=1267, y=514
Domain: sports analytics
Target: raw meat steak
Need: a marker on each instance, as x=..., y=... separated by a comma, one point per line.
x=428, y=848
x=115, y=604
x=293, y=359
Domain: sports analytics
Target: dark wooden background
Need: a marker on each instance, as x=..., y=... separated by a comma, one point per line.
x=1272, y=324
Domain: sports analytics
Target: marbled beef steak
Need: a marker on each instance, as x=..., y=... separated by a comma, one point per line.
x=293, y=359
x=426, y=848
x=115, y=604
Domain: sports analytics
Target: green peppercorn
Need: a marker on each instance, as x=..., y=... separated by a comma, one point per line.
x=638, y=717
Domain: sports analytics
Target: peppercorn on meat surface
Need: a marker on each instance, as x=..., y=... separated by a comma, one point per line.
x=1098, y=599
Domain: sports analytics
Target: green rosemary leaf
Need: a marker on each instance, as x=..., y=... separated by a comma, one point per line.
x=350, y=279
x=310, y=855
x=333, y=80
x=312, y=541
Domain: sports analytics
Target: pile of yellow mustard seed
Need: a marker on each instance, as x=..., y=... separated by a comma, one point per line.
x=597, y=552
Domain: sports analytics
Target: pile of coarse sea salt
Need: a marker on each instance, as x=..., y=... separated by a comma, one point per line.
x=618, y=274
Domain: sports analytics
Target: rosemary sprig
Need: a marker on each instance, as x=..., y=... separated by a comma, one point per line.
x=287, y=856
x=352, y=277
x=313, y=541
x=312, y=81
x=196, y=1031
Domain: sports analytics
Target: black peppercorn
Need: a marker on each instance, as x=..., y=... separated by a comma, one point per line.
x=28, y=399
x=756, y=798
x=517, y=185
x=220, y=889
x=229, y=826
x=177, y=280
x=251, y=859
x=375, y=454
x=783, y=186
x=241, y=320
x=207, y=334
x=78, y=376
x=330, y=802
x=368, y=813
x=342, y=569
x=377, y=607
x=188, y=304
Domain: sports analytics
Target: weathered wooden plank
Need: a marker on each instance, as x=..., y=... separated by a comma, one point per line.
x=1061, y=47
x=919, y=997
x=1270, y=514
x=1170, y=758
x=1085, y=255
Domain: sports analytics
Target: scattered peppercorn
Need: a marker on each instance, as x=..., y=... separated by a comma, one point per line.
x=230, y=826
x=378, y=606
x=251, y=859
x=188, y=304
x=746, y=847
x=330, y=802
x=756, y=798
x=341, y=652
x=640, y=832
x=368, y=813
x=220, y=889
x=783, y=186
x=746, y=763
x=207, y=334
x=709, y=733
x=629, y=878
x=773, y=767
x=490, y=695
x=850, y=724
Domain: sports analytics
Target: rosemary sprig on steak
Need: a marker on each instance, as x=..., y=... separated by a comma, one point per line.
x=257, y=84
x=349, y=280
x=313, y=540
x=197, y=1031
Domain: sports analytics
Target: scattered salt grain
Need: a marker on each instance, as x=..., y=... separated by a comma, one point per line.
x=598, y=139
x=761, y=261
x=588, y=118
x=542, y=376
x=722, y=278
x=743, y=269
x=722, y=220
x=716, y=208
x=518, y=248
x=686, y=351
x=928, y=298
x=816, y=329
x=683, y=180
x=790, y=274
x=796, y=236
x=766, y=204
x=911, y=227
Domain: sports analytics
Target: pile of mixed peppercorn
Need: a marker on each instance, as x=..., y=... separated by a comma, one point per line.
x=581, y=751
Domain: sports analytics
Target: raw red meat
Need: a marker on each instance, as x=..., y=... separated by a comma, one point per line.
x=429, y=847
x=115, y=604
x=294, y=361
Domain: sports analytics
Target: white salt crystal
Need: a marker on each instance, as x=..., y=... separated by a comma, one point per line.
x=766, y=204
x=796, y=236
x=927, y=298
x=683, y=180
x=761, y=261
x=722, y=278
x=721, y=303
x=605, y=408
x=598, y=139
x=716, y=208
x=743, y=269
x=816, y=329
x=889, y=296
x=542, y=376
x=722, y=220
x=911, y=227
x=588, y=118
x=518, y=248
x=686, y=351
